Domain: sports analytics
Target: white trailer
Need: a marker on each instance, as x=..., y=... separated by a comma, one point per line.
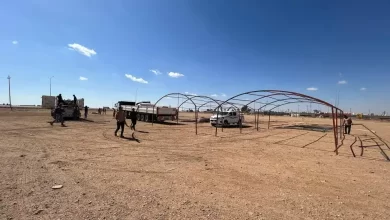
x=146, y=113
x=48, y=102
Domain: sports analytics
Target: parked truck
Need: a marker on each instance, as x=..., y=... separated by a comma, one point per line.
x=146, y=113
x=71, y=111
x=227, y=118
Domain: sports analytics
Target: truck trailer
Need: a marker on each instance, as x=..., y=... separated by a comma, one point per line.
x=146, y=113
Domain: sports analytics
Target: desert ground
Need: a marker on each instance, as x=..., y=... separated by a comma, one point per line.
x=165, y=171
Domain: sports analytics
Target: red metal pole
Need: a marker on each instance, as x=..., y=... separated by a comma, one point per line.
x=240, y=122
x=196, y=122
x=337, y=126
x=255, y=120
x=341, y=122
x=258, y=118
x=177, y=116
x=269, y=118
x=153, y=116
x=334, y=132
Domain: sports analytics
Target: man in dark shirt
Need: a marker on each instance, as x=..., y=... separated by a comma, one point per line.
x=60, y=100
x=86, y=112
x=120, y=121
x=74, y=100
x=58, y=116
x=133, y=118
x=347, y=124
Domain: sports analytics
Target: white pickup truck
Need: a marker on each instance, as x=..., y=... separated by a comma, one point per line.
x=227, y=118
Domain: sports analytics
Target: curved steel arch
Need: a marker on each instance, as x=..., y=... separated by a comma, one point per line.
x=190, y=98
x=168, y=95
x=280, y=92
x=290, y=96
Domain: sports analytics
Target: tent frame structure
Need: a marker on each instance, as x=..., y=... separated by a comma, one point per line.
x=278, y=98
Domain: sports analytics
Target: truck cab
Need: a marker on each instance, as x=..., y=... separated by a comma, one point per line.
x=227, y=118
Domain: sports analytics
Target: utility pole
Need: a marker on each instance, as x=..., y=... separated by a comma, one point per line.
x=50, y=84
x=9, y=91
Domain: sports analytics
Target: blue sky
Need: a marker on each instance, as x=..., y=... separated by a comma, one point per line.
x=209, y=47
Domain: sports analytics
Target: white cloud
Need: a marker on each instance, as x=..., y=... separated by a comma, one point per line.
x=81, y=49
x=312, y=89
x=135, y=79
x=82, y=78
x=175, y=75
x=342, y=82
x=223, y=94
x=214, y=95
x=363, y=89
x=187, y=93
x=15, y=42
x=156, y=71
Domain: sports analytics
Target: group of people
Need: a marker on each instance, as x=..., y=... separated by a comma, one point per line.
x=120, y=117
x=60, y=100
x=102, y=110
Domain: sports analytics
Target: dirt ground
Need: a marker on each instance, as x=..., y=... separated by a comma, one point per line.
x=165, y=171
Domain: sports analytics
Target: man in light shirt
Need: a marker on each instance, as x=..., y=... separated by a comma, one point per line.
x=120, y=121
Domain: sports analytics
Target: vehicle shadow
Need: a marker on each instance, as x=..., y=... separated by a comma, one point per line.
x=233, y=127
x=312, y=127
x=169, y=123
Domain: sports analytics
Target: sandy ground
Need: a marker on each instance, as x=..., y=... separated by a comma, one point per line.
x=168, y=172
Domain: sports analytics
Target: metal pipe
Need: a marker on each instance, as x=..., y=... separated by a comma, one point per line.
x=196, y=121
x=269, y=118
x=258, y=119
x=334, y=131
x=353, y=153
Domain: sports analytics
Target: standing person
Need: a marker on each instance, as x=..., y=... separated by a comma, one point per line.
x=74, y=100
x=347, y=124
x=86, y=112
x=120, y=121
x=113, y=114
x=58, y=116
x=133, y=117
x=60, y=100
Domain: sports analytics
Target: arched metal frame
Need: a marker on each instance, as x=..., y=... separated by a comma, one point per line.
x=288, y=97
x=193, y=99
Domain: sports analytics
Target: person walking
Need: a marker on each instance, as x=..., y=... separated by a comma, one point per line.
x=113, y=114
x=133, y=118
x=58, y=116
x=120, y=121
x=347, y=124
x=86, y=112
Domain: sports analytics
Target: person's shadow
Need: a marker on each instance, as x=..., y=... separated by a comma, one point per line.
x=132, y=138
